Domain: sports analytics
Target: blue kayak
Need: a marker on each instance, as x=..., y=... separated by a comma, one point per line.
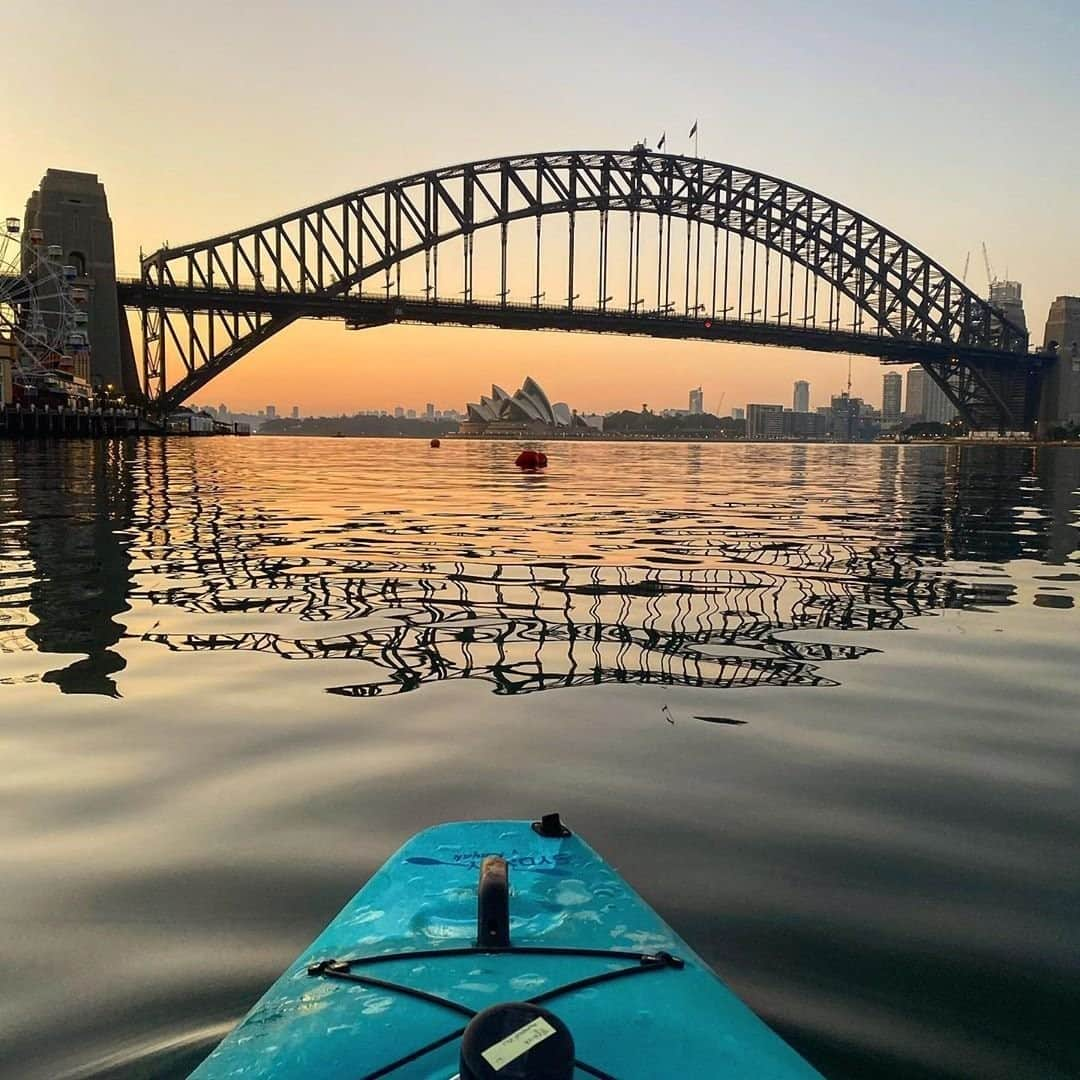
x=502, y=950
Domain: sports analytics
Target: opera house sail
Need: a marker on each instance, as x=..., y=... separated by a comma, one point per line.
x=528, y=411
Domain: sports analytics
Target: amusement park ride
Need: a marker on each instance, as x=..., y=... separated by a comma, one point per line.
x=43, y=322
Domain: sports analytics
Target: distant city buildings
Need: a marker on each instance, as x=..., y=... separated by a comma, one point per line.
x=296, y=412
x=429, y=411
x=765, y=421
x=801, y=397
x=399, y=412
x=697, y=406
x=738, y=414
x=271, y=412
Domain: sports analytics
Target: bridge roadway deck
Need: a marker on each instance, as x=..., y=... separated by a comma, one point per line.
x=368, y=310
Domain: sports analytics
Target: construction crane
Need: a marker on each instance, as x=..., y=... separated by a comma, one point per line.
x=720, y=403
x=967, y=263
x=990, y=279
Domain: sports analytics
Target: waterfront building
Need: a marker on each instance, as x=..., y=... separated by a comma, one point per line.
x=801, y=397
x=738, y=414
x=697, y=406
x=296, y=412
x=926, y=401
x=764, y=421
x=271, y=412
x=399, y=412
x=891, y=389
x=805, y=425
x=845, y=416
x=429, y=411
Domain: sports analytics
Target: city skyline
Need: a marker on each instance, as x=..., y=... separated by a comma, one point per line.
x=282, y=161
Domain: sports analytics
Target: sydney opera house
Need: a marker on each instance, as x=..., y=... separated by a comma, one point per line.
x=526, y=412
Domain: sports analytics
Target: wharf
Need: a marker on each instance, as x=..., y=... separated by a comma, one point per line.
x=47, y=422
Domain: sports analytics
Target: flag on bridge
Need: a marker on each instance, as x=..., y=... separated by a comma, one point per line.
x=693, y=130
x=663, y=139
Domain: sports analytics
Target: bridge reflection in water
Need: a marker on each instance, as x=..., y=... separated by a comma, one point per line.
x=740, y=596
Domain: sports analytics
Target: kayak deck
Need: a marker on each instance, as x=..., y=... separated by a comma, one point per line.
x=389, y=985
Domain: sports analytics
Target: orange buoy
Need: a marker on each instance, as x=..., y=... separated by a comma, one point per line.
x=435, y=444
x=531, y=459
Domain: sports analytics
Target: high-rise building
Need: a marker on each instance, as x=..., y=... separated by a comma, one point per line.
x=801, y=397
x=738, y=414
x=271, y=412
x=429, y=411
x=913, y=398
x=765, y=421
x=399, y=412
x=1008, y=296
x=296, y=412
x=696, y=402
x=222, y=410
x=892, y=386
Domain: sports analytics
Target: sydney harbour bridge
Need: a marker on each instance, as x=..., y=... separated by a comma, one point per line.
x=602, y=241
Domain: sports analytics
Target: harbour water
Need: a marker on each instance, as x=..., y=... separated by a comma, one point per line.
x=817, y=703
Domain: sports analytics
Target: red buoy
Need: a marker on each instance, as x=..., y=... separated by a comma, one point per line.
x=531, y=459
x=435, y=444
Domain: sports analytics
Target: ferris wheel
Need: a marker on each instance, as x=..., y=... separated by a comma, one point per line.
x=43, y=317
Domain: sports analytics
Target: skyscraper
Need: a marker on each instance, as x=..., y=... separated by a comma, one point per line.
x=1008, y=296
x=937, y=408
x=271, y=412
x=296, y=412
x=892, y=385
x=926, y=401
x=801, y=399
x=429, y=411
x=696, y=402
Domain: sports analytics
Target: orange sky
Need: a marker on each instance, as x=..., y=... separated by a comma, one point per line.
x=326, y=369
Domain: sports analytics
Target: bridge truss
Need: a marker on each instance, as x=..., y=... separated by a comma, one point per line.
x=631, y=242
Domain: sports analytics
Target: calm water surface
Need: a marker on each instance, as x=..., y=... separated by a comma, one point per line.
x=818, y=703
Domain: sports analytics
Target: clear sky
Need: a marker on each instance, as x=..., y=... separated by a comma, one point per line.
x=949, y=122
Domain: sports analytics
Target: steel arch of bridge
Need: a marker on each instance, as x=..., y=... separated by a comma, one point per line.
x=209, y=303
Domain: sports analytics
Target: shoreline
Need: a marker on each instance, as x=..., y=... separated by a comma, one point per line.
x=623, y=438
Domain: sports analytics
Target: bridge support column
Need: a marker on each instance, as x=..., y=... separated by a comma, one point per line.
x=1059, y=403
x=71, y=210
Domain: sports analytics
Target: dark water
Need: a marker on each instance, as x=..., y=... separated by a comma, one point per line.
x=819, y=704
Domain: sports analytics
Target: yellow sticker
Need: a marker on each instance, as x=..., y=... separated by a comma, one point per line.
x=513, y=1046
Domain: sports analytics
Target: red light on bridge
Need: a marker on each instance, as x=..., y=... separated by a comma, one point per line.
x=708, y=324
